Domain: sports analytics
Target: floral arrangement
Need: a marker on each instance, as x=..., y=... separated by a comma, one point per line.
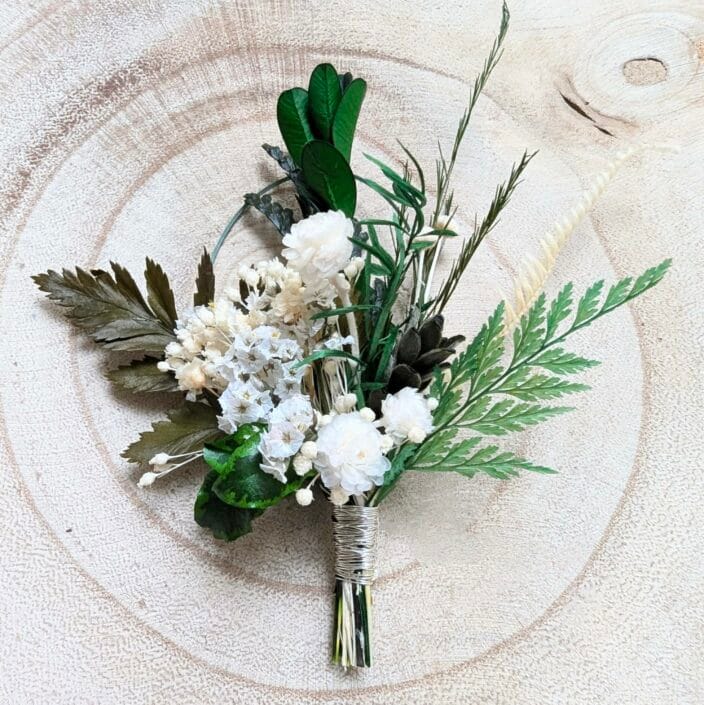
x=329, y=369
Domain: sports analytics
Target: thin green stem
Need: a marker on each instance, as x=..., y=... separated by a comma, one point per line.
x=236, y=217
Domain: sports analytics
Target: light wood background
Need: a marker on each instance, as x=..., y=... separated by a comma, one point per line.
x=132, y=128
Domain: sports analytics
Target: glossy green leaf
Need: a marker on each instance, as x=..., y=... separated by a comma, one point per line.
x=292, y=116
x=240, y=480
x=225, y=521
x=345, y=121
x=327, y=172
x=323, y=98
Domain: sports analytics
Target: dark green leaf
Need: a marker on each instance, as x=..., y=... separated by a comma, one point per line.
x=188, y=427
x=221, y=454
x=345, y=120
x=292, y=116
x=226, y=522
x=327, y=172
x=205, y=282
x=109, y=308
x=141, y=376
x=159, y=294
x=393, y=474
x=323, y=99
x=281, y=218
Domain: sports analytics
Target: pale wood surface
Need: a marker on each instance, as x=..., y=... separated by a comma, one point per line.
x=132, y=128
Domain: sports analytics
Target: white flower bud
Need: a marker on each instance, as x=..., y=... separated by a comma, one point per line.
x=147, y=479
x=324, y=419
x=338, y=496
x=173, y=349
x=251, y=277
x=163, y=366
x=351, y=270
x=309, y=450
x=160, y=459
x=387, y=443
x=304, y=496
x=302, y=465
x=416, y=435
x=345, y=402
x=367, y=414
x=432, y=403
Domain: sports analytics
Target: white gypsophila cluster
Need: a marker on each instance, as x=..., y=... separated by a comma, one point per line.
x=350, y=455
x=319, y=247
x=406, y=415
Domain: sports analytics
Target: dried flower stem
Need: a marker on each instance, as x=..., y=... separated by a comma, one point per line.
x=535, y=272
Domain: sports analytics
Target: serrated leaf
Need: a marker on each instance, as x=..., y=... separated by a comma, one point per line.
x=226, y=522
x=530, y=333
x=500, y=465
x=560, y=309
x=109, y=308
x=560, y=362
x=159, y=294
x=588, y=305
x=327, y=172
x=205, y=281
x=187, y=429
x=528, y=386
x=143, y=376
x=507, y=416
x=324, y=96
x=292, y=116
x=345, y=121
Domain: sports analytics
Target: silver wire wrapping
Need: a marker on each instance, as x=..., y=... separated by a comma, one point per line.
x=355, y=530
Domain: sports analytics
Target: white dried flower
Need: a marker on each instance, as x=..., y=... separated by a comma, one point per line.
x=160, y=459
x=275, y=467
x=367, y=414
x=338, y=496
x=416, y=435
x=309, y=450
x=282, y=440
x=302, y=465
x=318, y=247
x=296, y=410
x=163, y=366
x=432, y=403
x=387, y=443
x=191, y=376
x=350, y=454
x=304, y=496
x=345, y=402
x=404, y=413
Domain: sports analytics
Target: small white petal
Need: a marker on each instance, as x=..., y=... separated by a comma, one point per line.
x=309, y=450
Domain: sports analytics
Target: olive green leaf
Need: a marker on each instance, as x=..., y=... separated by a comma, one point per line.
x=345, y=121
x=324, y=96
x=292, y=116
x=110, y=307
x=226, y=522
x=140, y=376
x=205, y=281
x=159, y=294
x=187, y=428
x=327, y=172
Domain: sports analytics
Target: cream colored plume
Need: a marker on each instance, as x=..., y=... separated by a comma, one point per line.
x=534, y=272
